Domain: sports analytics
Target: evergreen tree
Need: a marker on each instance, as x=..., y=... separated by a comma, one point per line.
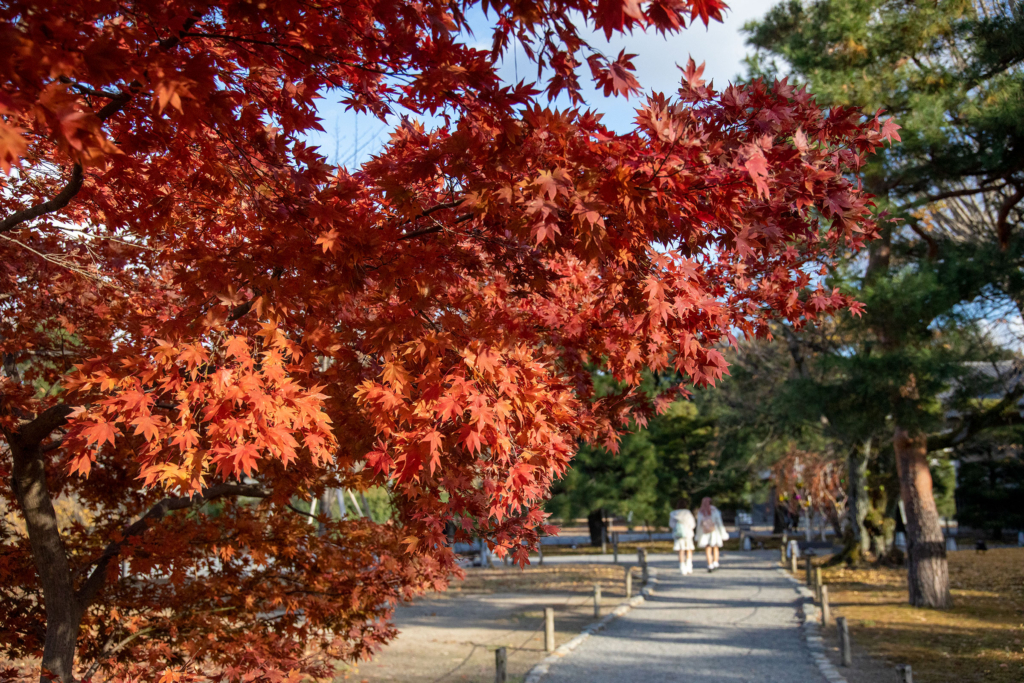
x=714, y=443
x=950, y=73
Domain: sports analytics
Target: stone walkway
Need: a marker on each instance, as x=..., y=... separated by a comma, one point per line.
x=736, y=625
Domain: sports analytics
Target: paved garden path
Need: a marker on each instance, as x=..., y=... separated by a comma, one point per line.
x=736, y=625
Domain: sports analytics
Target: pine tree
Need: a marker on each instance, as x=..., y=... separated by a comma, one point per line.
x=950, y=73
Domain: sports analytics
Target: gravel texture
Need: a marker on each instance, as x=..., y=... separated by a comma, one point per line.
x=739, y=624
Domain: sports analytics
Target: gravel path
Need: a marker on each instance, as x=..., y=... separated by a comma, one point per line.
x=737, y=625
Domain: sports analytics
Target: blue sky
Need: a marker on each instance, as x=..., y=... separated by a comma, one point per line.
x=721, y=47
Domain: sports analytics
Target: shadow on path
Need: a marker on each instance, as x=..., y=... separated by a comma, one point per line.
x=737, y=624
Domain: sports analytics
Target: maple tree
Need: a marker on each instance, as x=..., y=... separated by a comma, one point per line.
x=809, y=483
x=203, y=322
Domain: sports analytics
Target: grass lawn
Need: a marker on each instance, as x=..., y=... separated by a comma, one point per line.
x=980, y=639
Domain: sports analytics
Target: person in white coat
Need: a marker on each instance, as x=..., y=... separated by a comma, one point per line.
x=711, y=532
x=682, y=524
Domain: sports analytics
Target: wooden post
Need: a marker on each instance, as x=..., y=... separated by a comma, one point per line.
x=540, y=554
x=844, y=641
x=549, y=629
x=604, y=538
x=904, y=673
x=809, y=580
x=597, y=601
x=615, y=545
x=642, y=554
x=792, y=560
x=817, y=582
x=825, y=610
x=782, y=554
x=500, y=665
x=629, y=582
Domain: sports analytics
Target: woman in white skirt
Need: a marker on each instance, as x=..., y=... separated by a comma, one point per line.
x=712, y=532
x=682, y=524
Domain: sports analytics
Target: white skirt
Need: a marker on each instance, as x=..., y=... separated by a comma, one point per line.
x=713, y=539
x=684, y=543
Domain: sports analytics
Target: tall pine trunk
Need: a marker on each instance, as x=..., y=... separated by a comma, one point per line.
x=927, y=571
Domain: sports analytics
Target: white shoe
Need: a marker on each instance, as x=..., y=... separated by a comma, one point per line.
x=682, y=568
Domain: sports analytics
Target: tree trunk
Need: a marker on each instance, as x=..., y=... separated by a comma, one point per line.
x=857, y=504
x=780, y=520
x=63, y=612
x=856, y=540
x=927, y=571
x=595, y=521
x=878, y=545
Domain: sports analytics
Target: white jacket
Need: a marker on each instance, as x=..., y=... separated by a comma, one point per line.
x=684, y=516
x=717, y=536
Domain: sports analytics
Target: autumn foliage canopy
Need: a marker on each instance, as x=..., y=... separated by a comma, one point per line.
x=203, y=322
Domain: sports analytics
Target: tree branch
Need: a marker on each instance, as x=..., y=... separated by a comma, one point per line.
x=1002, y=218
x=90, y=589
x=116, y=104
x=300, y=512
x=950, y=194
x=86, y=90
x=933, y=246
x=44, y=424
x=440, y=207
x=793, y=343
x=996, y=416
x=243, y=309
x=10, y=366
x=431, y=230
x=107, y=651
x=49, y=206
